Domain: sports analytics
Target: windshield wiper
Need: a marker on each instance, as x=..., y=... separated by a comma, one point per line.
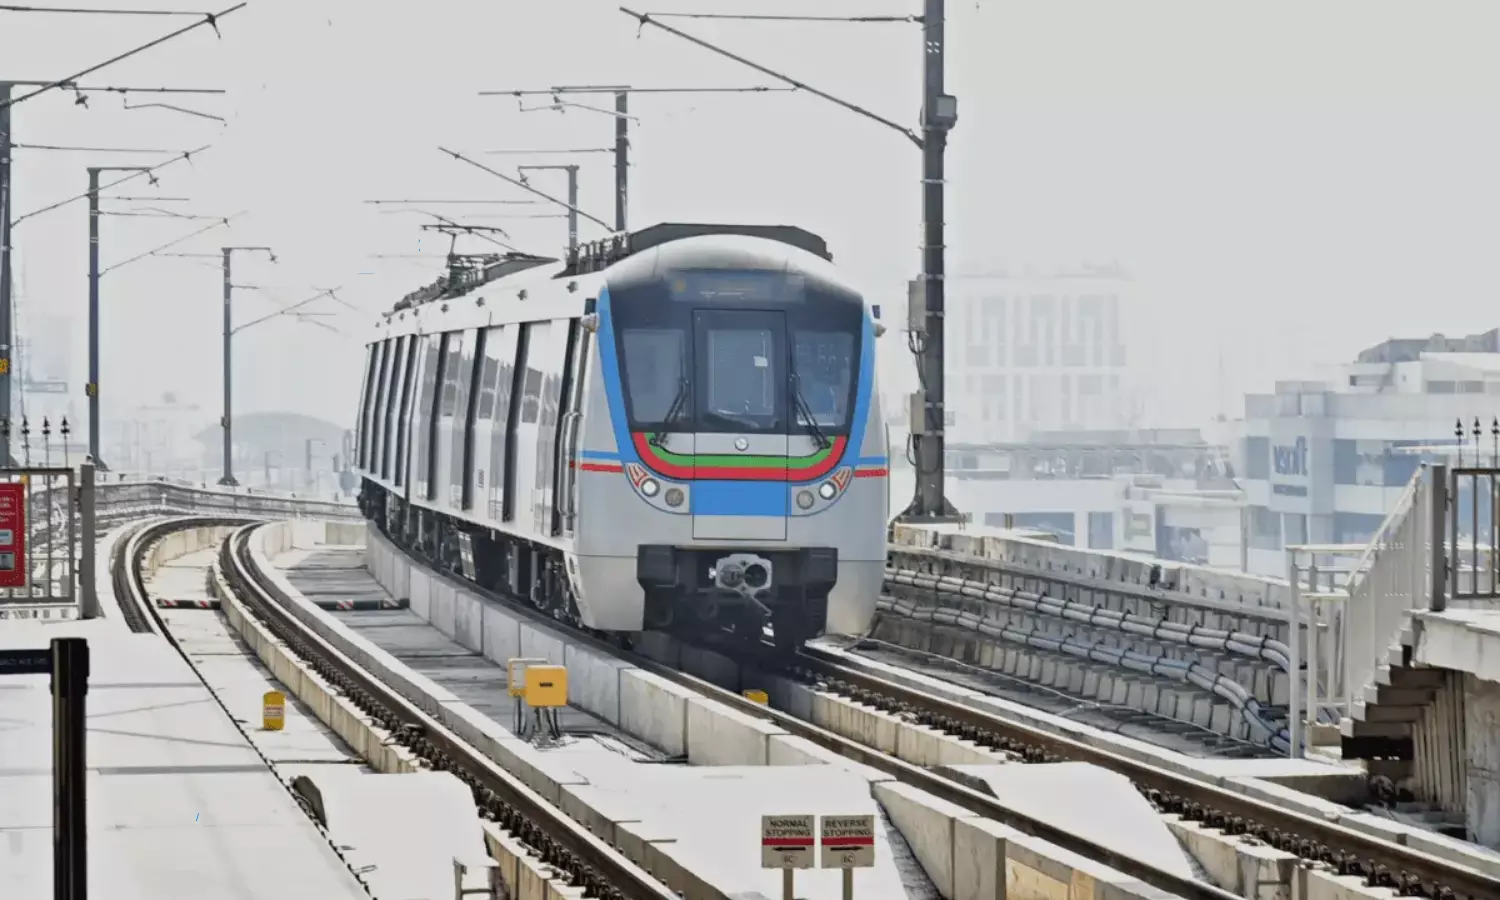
x=674, y=412
x=805, y=412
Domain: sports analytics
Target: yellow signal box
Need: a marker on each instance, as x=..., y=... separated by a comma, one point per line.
x=546, y=687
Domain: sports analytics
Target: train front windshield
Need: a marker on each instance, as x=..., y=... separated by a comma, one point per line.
x=741, y=352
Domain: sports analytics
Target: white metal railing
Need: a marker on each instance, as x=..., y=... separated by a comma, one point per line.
x=1388, y=581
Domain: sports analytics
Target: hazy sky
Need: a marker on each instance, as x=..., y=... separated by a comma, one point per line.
x=1289, y=181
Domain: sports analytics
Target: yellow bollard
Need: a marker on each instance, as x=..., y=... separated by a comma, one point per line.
x=757, y=697
x=273, y=711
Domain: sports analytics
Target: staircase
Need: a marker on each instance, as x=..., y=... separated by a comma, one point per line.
x=1406, y=721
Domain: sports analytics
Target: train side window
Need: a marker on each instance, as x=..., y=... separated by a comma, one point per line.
x=501, y=349
x=481, y=391
x=367, y=390
x=434, y=414
x=520, y=378
x=393, y=404
x=382, y=400
x=458, y=461
x=403, y=423
x=425, y=408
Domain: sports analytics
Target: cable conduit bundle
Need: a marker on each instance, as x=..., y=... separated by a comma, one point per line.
x=1240, y=643
x=1264, y=729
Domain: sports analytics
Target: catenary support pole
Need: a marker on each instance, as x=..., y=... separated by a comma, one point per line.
x=93, y=386
x=622, y=158
x=573, y=207
x=7, y=320
x=228, y=419
x=930, y=503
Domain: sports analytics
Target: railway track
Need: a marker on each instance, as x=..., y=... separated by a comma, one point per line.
x=557, y=840
x=1380, y=863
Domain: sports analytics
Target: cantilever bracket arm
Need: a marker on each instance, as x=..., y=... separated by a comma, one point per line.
x=526, y=187
x=645, y=19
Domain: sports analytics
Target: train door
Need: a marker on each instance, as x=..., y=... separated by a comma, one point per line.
x=570, y=415
x=740, y=412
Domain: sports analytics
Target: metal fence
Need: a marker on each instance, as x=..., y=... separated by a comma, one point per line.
x=57, y=539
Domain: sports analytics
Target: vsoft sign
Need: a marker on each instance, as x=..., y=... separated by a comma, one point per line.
x=1290, y=461
x=1289, y=472
x=1301, y=466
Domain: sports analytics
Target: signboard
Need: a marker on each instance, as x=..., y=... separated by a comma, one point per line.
x=786, y=842
x=1300, y=467
x=848, y=842
x=45, y=386
x=13, y=568
x=1289, y=466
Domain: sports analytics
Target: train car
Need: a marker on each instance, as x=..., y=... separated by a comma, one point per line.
x=673, y=429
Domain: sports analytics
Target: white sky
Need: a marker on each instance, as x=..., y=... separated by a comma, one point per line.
x=1288, y=181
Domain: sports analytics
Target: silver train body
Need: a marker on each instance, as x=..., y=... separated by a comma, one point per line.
x=674, y=429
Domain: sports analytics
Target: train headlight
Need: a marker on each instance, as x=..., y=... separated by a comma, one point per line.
x=827, y=490
x=650, y=487
x=804, y=499
x=674, y=497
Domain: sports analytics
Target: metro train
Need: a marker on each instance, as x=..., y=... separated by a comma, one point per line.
x=676, y=429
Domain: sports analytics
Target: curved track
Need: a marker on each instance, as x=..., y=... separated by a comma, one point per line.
x=559, y=841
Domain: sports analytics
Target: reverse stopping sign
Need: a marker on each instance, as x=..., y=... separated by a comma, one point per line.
x=786, y=842
x=848, y=842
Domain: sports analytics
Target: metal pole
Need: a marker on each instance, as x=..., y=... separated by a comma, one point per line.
x=70, y=681
x=622, y=157
x=1294, y=648
x=930, y=504
x=1437, y=597
x=573, y=207
x=788, y=890
x=228, y=421
x=88, y=541
x=7, y=326
x=93, y=385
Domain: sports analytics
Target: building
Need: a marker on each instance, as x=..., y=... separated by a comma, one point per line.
x=1323, y=462
x=1161, y=493
x=1038, y=351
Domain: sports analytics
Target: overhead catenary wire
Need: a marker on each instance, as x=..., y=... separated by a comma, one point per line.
x=645, y=19
x=761, y=17
x=221, y=223
x=185, y=155
x=96, y=11
x=210, y=19
x=68, y=148
x=526, y=187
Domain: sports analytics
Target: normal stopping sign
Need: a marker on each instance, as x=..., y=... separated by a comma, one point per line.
x=786, y=842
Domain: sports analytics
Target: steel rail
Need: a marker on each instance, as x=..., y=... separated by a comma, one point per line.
x=938, y=785
x=127, y=567
x=562, y=842
x=1385, y=863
